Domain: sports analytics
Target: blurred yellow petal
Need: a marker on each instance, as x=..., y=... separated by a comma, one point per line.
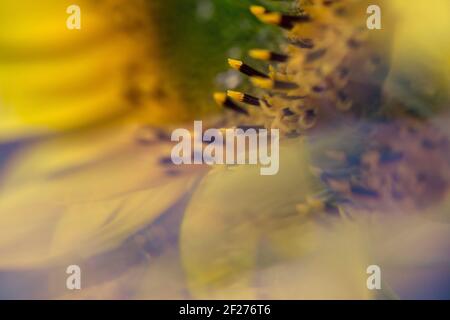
x=420, y=67
x=43, y=26
x=37, y=232
x=243, y=239
x=83, y=153
x=92, y=189
x=229, y=216
x=98, y=226
x=334, y=269
x=68, y=93
x=53, y=79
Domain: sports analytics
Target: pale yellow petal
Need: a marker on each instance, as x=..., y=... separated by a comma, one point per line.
x=90, y=228
x=231, y=214
x=84, y=193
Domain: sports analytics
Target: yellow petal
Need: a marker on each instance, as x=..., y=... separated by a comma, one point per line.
x=83, y=193
x=94, y=227
x=53, y=79
x=231, y=214
x=420, y=72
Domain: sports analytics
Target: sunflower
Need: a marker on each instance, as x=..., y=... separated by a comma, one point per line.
x=85, y=126
x=364, y=166
x=85, y=129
